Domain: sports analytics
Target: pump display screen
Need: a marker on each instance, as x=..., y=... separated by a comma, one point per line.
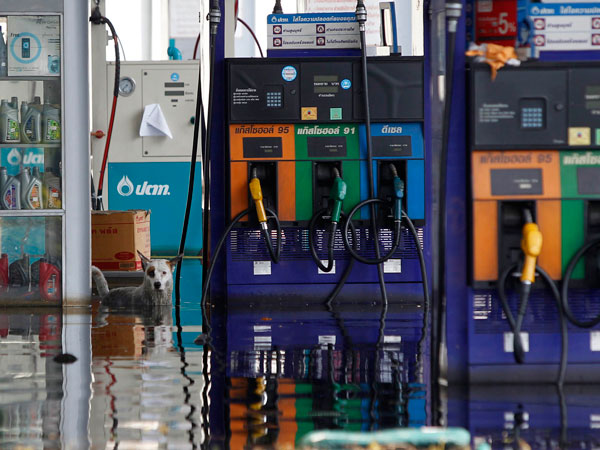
x=516, y=181
x=262, y=147
x=326, y=84
x=587, y=180
x=592, y=97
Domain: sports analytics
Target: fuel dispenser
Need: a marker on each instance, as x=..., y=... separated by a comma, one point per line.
x=299, y=124
x=534, y=141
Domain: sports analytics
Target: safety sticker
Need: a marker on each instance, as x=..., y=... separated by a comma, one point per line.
x=289, y=73
x=595, y=341
x=508, y=341
x=580, y=136
x=262, y=267
x=325, y=340
x=331, y=272
x=309, y=113
x=335, y=113
x=392, y=266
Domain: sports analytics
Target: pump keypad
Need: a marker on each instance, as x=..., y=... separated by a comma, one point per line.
x=532, y=117
x=274, y=97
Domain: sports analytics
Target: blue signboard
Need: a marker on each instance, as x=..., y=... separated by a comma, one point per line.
x=161, y=188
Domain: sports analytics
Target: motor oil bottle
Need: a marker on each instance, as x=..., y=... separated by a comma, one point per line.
x=31, y=123
x=3, y=56
x=10, y=191
x=49, y=281
x=51, y=124
x=19, y=272
x=51, y=191
x=14, y=102
x=9, y=123
x=4, y=279
x=31, y=189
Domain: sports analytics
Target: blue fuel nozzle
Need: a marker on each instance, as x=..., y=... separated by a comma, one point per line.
x=399, y=194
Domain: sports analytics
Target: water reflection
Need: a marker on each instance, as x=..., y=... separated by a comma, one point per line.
x=277, y=374
x=538, y=416
x=30, y=381
x=146, y=391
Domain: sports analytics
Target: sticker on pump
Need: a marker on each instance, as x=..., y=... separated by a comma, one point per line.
x=289, y=73
x=262, y=267
x=595, y=341
x=331, y=272
x=509, y=344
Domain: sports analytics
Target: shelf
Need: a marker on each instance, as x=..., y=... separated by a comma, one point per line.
x=30, y=78
x=19, y=145
x=31, y=212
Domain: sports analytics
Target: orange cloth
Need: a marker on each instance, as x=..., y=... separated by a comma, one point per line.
x=495, y=55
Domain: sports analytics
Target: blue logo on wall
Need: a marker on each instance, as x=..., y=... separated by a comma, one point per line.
x=21, y=48
x=346, y=83
x=174, y=76
x=161, y=188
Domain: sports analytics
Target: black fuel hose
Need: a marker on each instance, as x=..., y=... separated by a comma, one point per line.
x=419, y=370
x=208, y=147
x=330, y=242
x=565, y=287
x=346, y=274
x=214, y=17
x=275, y=254
x=205, y=336
x=515, y=325
x=199, y=123
x=379, y=259
x=361, y=18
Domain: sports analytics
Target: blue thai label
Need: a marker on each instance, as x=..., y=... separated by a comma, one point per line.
x=346, y=83
x=174, y=76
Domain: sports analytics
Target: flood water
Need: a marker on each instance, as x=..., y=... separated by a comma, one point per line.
x=269, y=377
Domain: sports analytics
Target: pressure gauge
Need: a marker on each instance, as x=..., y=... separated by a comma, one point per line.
x=126, y=86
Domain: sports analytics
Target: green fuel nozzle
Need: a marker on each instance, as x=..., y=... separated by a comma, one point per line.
x=398, y=193
x=337, y=194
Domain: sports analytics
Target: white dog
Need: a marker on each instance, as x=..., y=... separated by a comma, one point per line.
x=156, y=289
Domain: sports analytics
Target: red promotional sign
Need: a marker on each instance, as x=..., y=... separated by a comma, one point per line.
x=495, y=19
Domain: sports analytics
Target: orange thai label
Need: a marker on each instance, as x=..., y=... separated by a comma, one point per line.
x=516, y=175
x=261, y=142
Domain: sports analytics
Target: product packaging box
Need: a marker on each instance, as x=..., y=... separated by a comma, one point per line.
x=33, y=45
x=116, y=238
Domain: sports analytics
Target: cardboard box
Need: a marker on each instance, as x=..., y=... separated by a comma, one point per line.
x=116, y=238
x=33, y=45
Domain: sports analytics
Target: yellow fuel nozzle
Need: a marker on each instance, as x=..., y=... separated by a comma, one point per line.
x=531, y=244
x=256, y=192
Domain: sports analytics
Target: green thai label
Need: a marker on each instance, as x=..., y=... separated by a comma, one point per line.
x=52, y=130
x=12, y=130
